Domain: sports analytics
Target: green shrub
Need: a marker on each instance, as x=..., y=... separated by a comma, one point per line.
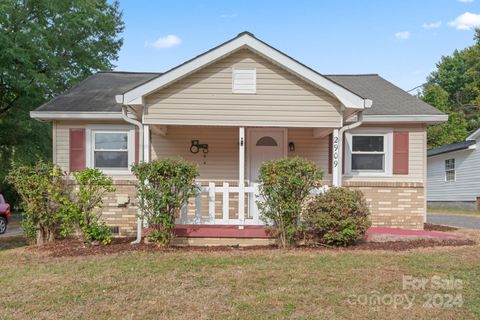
x=78, y=210
x=284, y=186
x=338, y=216
x=163, y=187
x=41, y=188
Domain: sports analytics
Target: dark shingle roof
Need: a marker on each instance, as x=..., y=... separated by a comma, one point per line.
x=97, y=92
x=450, y=147
x=387, y=98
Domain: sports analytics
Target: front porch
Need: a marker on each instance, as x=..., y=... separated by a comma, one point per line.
x=228, y=159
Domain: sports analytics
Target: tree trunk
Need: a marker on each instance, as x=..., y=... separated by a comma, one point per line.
x=44, y=235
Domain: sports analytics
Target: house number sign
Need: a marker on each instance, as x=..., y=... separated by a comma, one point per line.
x=335, y=152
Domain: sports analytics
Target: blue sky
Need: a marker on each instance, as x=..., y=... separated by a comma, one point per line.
x=400, y=40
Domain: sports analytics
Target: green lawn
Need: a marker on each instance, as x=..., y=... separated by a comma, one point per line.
x=231, y=284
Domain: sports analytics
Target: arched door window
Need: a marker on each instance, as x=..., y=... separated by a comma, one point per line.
x=266, y=141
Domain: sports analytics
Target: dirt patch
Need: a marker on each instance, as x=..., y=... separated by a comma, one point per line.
x=73, y=248
x=437, y=227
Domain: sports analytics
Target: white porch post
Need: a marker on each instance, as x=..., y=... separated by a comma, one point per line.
x=146, y=155
x=336, y=159
x=241, y=175
x=146, y=143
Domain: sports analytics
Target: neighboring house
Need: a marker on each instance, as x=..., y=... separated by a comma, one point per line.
x=233, y=107
x=454, y=174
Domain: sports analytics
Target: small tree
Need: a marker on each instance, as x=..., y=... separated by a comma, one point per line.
x=41, y=188
x=163, y=187
x=338, y=216
x=79, y=210
x=284, y=185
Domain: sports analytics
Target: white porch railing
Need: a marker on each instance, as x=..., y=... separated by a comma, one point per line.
x=222, y=205
x=250, y=216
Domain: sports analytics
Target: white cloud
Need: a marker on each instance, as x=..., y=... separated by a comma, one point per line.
x=466, y=21
x=228, y=15
x=402, y=35
x=432, y=25
x=465, y=1
x=165, y=42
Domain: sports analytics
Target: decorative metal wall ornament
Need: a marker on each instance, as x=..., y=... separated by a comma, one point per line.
x=196, y=146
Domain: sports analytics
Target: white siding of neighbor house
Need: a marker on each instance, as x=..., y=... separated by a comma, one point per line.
x=205, y=98
x=466, y=186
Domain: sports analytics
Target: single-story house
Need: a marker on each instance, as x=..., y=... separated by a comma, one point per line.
x=229, y=109
x=453, y=175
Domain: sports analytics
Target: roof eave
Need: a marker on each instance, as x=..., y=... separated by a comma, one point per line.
x=428, y=119
x=471, y=146
x=74, y=115
x=474, y=136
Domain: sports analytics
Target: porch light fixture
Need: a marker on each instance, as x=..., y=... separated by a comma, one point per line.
x=291, y=147
x=196, y=146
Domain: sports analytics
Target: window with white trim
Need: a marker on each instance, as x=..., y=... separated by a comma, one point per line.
x=450, y=169
x=244, y=80
x=112, y=149
x=369, y=153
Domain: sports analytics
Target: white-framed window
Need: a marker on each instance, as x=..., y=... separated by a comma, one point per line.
x=111, y=148
x=244, y=80
x=450, y=169
x=369, y=152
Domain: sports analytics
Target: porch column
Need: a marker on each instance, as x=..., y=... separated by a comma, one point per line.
x=336, y=156
x=146, y=155
x=241, y=175
x=146, y=143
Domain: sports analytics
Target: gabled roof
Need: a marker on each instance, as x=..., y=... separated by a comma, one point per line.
x=95, y=96
x=348, y=98
x=456, y=146
x=97, y=92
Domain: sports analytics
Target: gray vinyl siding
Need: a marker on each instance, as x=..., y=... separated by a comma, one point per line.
x=466, y=186
x=205, y=98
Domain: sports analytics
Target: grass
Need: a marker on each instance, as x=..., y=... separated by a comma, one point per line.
x=236, y=284
x=454, y=211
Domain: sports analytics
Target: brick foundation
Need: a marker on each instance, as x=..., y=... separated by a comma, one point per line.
x=396, y=205
x=392, y=204
x=120, y=208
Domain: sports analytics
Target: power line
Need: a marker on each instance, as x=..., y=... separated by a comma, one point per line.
x=417, y=87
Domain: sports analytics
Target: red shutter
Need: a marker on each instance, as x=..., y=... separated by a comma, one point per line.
x=77, y=149
x=330, y=153
x=400, y=152
x=137, y=135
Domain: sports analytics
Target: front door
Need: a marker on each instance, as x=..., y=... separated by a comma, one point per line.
x=264, y=144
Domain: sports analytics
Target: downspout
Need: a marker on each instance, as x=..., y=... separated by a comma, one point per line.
x=340, y=143
x=140, y=159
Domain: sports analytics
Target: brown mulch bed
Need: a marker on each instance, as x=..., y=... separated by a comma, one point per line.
x=437, y=227
x=74, y=248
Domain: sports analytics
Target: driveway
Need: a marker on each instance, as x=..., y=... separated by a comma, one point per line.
x=453, y=220
x=13, y=229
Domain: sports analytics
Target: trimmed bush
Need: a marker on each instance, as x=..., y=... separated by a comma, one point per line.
x=41, y=188
x=284, y=186
x=164, y=186
x=78, y=211
x=338, y=216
